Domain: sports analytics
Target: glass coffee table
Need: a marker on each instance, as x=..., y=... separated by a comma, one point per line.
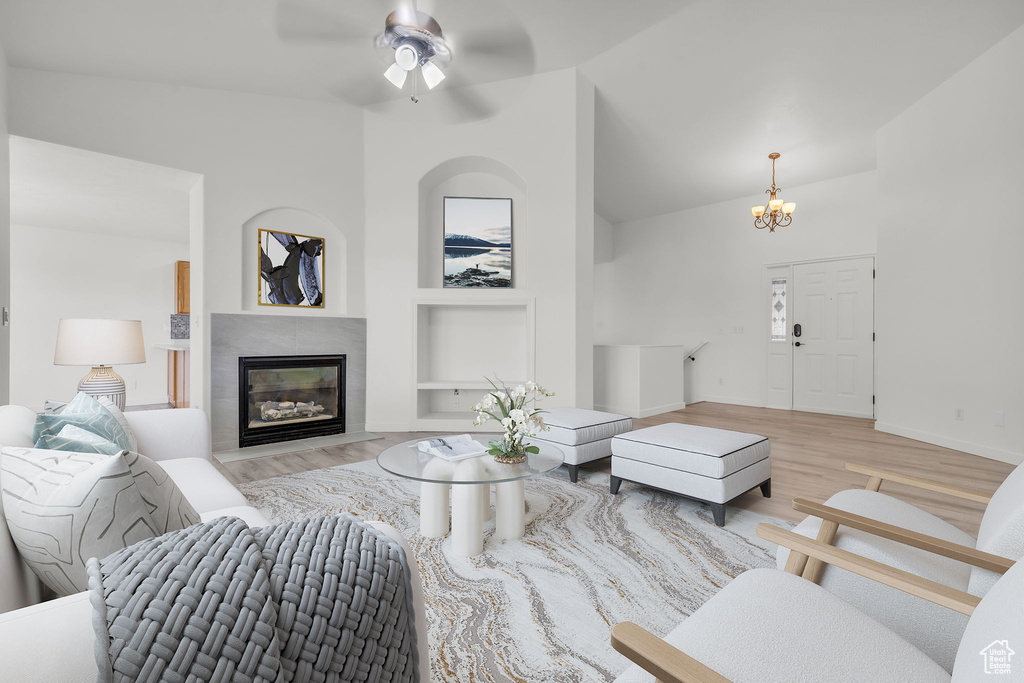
x=472, y=479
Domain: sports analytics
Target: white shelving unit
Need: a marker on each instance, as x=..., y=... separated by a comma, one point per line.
x=461, y=338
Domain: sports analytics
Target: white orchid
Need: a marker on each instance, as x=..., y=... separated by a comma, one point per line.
x=513, y=408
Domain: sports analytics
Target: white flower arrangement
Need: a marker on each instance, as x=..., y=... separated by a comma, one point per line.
x=513, y=408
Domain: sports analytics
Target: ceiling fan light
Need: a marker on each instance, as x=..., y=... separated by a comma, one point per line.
x=396, y=75
x=407, y=57
x=788, y=208
x=432, y=74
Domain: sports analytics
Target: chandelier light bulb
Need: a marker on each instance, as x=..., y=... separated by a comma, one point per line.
x=788, y=208
x=775, y=205
x=758, y=211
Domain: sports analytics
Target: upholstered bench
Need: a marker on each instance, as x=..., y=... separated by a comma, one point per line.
x=714, y=466
x=583, y=435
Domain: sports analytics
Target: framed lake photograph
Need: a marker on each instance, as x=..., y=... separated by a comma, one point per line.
x=291, y=269
x=477, y=242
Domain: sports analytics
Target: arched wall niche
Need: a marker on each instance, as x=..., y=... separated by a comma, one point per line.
x=302, y=222
x=471, y=176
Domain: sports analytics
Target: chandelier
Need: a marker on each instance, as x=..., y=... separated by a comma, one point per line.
x=777, y=214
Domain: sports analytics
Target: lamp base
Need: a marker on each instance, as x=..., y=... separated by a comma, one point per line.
x=103, y=381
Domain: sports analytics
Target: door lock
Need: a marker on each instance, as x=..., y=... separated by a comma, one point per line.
x=797, y=330
x=798, y=344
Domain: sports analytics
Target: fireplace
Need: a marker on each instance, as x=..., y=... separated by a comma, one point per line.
x=281, y=398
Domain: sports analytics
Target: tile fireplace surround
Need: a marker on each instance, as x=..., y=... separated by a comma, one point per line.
x=236, y=335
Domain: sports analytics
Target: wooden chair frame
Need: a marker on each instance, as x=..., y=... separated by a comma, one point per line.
x=808, y=557
x=671, y=665
x=876, y=475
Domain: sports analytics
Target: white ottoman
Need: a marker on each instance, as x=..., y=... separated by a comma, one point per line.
x=714, y=466
x=583, y=435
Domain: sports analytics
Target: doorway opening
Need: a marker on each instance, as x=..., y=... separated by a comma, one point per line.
x=820, y=336
x=98, y=236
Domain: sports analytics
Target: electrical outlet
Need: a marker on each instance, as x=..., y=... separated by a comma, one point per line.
x=133, y=384
x=7, y=316
x=958, y=414
x=997, y=419
x=721, y=381
x=455, y=400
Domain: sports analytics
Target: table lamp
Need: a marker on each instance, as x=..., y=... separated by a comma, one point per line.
x=100, y=343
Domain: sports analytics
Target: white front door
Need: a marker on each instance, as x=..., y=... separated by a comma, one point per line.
x=833, y=357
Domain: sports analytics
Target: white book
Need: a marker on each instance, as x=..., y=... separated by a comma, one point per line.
x=453, y=447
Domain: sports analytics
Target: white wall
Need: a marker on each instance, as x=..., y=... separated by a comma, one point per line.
x=696, y=275
x=950, y=318
x=5, y=232
x=536, y=142
x=54, y=275
x=255, y=153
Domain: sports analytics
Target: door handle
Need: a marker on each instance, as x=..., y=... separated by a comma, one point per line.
x=798, y=344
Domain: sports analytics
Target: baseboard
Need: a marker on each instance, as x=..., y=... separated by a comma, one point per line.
x=644, y=412
x=731, y=401
x=955, y=444
x=658, y=410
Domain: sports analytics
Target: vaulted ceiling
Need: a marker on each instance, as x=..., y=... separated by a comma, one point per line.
x=692, y=95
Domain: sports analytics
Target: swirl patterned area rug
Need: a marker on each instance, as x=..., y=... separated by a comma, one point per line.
x=541, y=608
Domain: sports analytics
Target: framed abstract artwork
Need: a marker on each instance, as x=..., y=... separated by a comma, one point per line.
x=477, y=242
x=291, y=269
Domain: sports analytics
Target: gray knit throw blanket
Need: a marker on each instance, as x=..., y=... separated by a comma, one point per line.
x=324, y=599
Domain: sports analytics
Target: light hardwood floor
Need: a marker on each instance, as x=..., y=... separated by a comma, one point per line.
x=808, y=452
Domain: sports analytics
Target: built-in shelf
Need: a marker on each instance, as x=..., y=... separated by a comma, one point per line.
x=471, y=336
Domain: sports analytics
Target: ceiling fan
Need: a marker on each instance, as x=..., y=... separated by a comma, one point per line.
x=489, y=43
x=417, y=41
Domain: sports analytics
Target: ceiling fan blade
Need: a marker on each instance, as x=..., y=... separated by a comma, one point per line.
x=462, y=104
x=507, y=50
x=313, y=21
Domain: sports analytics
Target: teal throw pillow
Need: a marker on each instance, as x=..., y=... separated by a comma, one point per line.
x=86, y=413
x=78, y=440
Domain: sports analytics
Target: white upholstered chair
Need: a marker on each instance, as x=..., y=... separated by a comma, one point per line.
x=769, y=625
x=894, y=532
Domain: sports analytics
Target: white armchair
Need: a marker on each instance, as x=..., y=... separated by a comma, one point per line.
x=768, y=625
x=894, y=532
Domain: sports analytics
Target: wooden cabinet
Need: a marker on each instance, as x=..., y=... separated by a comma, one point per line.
x=182, y=289
x=177, y=377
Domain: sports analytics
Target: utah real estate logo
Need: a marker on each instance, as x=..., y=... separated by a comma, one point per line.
x=997, y=657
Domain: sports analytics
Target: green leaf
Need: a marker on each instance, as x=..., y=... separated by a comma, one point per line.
x=532, y=449
x=501, y=404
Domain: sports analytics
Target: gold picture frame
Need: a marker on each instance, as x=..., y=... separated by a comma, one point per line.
x=290, y=269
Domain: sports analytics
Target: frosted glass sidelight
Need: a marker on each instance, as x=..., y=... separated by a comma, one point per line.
x=778, y=309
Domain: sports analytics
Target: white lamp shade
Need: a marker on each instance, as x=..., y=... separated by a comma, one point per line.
x=432, y=74
x=396, y=75
x=95, y=341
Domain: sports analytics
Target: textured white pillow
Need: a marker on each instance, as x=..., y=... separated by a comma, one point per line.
x=121, y=420
x=63, y=508
x=166, y=503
